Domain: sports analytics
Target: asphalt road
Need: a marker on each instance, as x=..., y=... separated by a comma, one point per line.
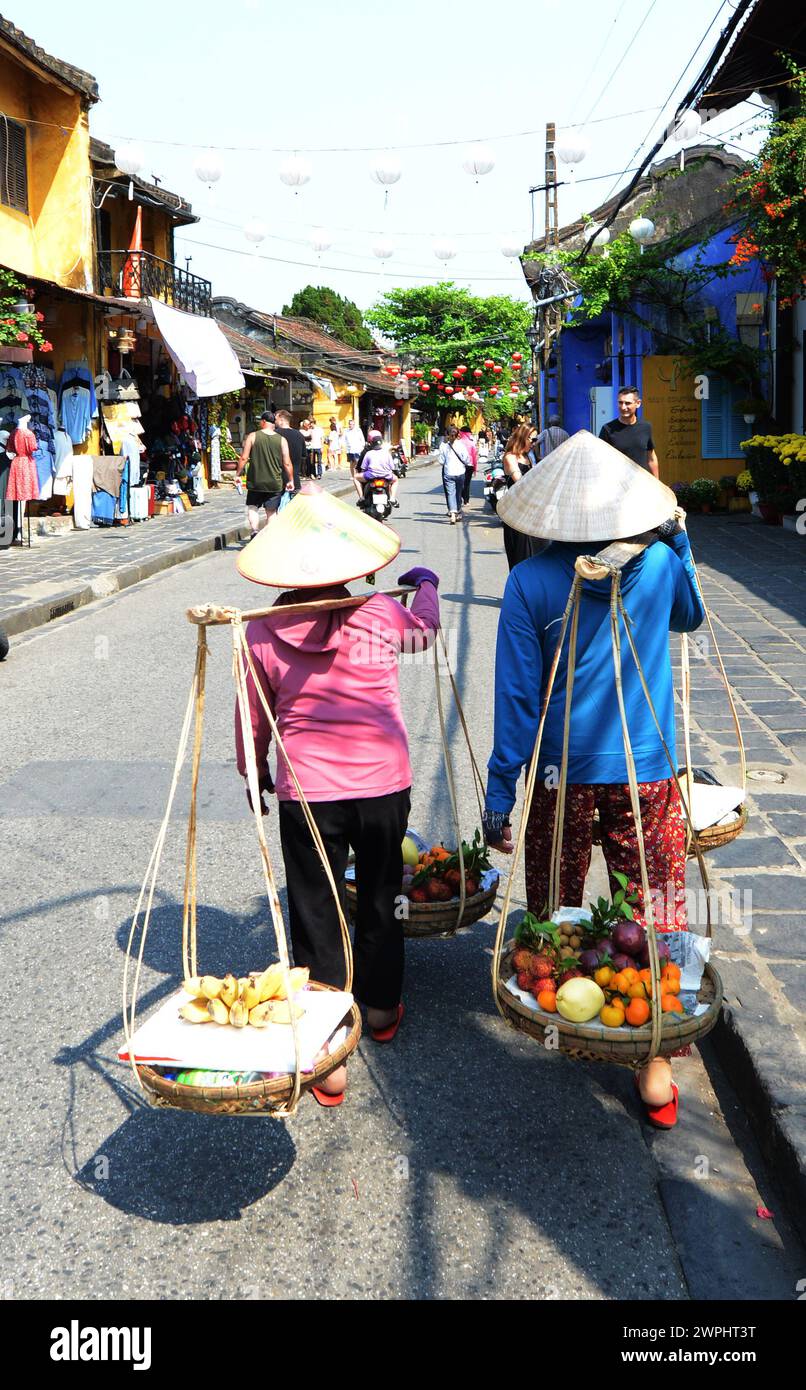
x=466, y=1161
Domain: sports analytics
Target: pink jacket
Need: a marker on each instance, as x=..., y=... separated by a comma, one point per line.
x=331, y=682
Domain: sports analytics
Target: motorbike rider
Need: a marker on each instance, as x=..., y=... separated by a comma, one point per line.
x=377, y=463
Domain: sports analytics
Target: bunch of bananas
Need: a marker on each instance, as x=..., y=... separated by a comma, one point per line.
x=257, y=1000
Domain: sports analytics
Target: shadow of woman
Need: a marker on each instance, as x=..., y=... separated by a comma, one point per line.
x=170, y=1166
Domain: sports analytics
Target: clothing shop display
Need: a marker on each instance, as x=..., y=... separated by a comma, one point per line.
x=130, y=450
x=63, y=464
x=5, y=463
x=23, y=481
x=107, y=471
x=82, y=491
x=13, y=397
x=78, y=405
x=215, y=454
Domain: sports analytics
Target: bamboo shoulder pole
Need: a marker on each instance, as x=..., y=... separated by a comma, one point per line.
x=212, y=615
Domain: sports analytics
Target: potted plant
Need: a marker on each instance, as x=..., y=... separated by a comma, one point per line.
x=705, y=491
x=752, y=408
x=20, y=323
x=421, y=434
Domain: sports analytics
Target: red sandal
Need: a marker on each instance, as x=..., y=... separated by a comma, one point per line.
x=325, y=1098
x=661, y=1116
x=387, y=1034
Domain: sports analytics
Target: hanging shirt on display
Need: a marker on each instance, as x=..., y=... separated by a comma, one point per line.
x=215, y=454
x=63, y=465
x=77, y=401
x=13, y=398
x=130, y=449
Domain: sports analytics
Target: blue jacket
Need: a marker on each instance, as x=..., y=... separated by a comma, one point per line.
x=660, y=594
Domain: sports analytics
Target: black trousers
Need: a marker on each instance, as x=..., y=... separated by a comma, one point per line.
x=374, y=827
x=466, y=487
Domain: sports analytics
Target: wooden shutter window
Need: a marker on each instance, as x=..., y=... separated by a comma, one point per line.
x=13, y=165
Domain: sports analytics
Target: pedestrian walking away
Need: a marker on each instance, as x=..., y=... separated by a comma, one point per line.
x=342, y=725
x=611, y=497
x=630, y=435
x=517, y=462
x=466, y=438
x=297, y=446
x=454, y=460
x=550, y=438
x=305, y=431
x=266, y=464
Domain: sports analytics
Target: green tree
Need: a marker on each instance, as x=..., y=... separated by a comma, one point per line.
x=440, y=327
x=333, y=313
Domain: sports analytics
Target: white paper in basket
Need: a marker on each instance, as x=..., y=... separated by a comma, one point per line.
x=165, y=1038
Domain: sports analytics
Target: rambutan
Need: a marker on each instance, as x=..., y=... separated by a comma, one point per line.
x=524, y=959
x=525, y=979
x=543, y=967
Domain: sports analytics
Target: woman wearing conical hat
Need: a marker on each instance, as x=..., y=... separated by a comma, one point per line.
x=584, y=496
x=331, y=681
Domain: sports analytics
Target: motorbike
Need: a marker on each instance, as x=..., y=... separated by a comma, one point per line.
x=494, y=484
x=377, y=499
x=399, y=462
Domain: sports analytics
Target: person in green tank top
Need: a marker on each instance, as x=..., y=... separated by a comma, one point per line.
x=266, y=463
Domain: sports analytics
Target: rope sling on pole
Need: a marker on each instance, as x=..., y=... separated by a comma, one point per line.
x=607, y=563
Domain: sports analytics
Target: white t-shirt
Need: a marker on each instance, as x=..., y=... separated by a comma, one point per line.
x=454, y=458
x=317, y=437
x=354, y=439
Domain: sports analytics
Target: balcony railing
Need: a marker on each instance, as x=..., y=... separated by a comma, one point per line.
x=137, y=274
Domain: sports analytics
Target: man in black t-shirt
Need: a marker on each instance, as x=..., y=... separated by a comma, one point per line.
x=630, y=435
x=296, y=444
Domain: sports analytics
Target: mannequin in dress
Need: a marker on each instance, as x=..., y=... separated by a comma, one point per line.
x=23, y=480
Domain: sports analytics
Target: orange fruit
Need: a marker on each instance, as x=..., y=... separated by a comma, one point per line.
x=646, y=977
x=670, y=967
x=604, y=975
x=630, y=973
x=669, y=984
x=547, y=1000
x=611, y=1016
x=638, y=1012
x=670, y=1004
x=638, y=990
x=619, y=984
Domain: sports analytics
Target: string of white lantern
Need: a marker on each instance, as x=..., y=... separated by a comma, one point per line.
x=129, y=159
x=478, y=161
x=687, y=128
x=208, y=167
x=571, y=147
x=295, y=173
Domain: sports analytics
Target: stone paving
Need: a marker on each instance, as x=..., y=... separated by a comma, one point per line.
x=753, y=579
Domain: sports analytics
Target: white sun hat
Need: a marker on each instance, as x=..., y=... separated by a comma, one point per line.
x=586, y=490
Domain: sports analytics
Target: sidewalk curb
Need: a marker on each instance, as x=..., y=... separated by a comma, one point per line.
x=756, y=1052
x=114, y=580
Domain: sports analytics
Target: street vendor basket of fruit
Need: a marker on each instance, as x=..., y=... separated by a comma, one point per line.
x=582, y=981
x=431, y=899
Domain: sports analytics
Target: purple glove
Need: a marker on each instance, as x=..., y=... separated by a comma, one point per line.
x=419, y=576
x=266, y=787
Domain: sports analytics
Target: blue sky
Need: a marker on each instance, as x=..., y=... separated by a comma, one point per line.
x=274, y=76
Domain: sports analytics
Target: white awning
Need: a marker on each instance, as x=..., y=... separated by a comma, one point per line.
x=202, y=354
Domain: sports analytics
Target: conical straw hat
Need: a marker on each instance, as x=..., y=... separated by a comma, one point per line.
x=586, y=490
x=317, y=540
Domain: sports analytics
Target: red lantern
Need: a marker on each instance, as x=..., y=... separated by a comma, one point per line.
x=448, y=390
x=461, y=369
x=498, y=370
x=409, y=375
x=440, y=388
x=493, y=390
x=477, y=373
x=424, y=386
x=488, y=362
x=457, y=375
x=435, y=372
x=517, y=357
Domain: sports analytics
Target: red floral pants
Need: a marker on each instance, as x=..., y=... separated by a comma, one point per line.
x=664, y=843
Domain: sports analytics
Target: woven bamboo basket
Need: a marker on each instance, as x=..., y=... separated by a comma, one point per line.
x=257, y=1098
x=591, y=1042
x=436, y=919
x=712, y=837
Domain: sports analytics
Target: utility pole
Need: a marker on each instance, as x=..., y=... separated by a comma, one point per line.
x=549, y=386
